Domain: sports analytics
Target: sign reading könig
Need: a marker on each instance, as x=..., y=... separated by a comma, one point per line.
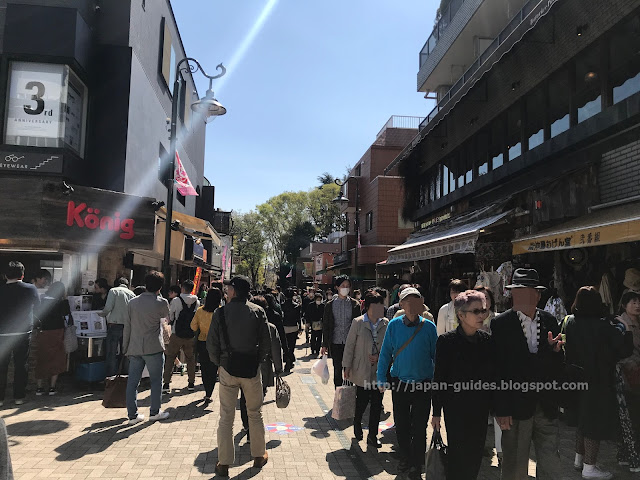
x=82, y=216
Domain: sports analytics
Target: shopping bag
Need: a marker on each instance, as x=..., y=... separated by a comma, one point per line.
x=283, y=393
x=321, y=368
x=436, y=458
x=70, y=339
x=115, y=390
x=344, y=403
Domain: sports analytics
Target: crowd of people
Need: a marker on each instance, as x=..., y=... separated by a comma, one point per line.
x=472, y=365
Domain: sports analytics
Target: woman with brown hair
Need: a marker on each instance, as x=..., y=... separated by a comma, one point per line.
x=51, y=358
x=592, y=349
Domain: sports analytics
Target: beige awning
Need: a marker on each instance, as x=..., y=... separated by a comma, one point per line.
x=193, y=226
x=604, y=227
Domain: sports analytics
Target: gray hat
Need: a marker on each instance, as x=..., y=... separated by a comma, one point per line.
x=525, y=278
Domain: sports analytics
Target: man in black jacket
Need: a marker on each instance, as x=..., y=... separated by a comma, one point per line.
x=18, y=300
x=528, y=348
x=292, y=326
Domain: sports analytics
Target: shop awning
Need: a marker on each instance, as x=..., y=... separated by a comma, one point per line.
x=603, y=227
x=196, y=227
x=456, y=236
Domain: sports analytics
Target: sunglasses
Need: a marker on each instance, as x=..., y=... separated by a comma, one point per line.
x=477, y=311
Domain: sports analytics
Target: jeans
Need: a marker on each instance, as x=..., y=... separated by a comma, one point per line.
x=411, y=408
x=113, y=345
x=363, y=397
x=337, y=351
x=154, y=364
x=207, y=369
x=18, y=346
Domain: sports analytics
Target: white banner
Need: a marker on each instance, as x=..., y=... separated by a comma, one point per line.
x=36, y=96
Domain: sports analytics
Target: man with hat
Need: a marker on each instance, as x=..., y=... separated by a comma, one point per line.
x=409, y=347
x=238, y=341
x=528, y=345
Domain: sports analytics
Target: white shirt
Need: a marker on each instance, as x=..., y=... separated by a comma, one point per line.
x=530, y=330
x=447, y=319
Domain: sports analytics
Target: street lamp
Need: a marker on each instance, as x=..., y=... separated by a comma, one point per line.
x=208, y=107
x=343, y=200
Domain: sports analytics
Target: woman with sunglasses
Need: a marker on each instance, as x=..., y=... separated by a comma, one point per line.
x=465, y=360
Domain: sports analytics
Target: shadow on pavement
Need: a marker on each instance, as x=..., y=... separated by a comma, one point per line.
x=36, y=427
x=98, y=438
x=186, y=412
x=206, y=462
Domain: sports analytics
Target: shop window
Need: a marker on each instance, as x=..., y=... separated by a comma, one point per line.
x=514, y=127
x=588, y=82
x=461, y=181
x=432, y=189
x=369, y=222
x=535, y=111
x=46, y=107
x=452, y=181
x=496, y=143
x=54, y=267
x=358, y=172
x=624, y=56
x=422, y=196
x=445, y=180
x=167, y=57
x=438, y=181
x=559, y=95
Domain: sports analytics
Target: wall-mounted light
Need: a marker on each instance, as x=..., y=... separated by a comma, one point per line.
x=581, y=29
x=591, y=76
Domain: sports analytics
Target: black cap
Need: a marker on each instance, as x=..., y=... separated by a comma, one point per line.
x=240, y=283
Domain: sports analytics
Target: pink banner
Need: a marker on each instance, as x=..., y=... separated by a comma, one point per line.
x=182, y=179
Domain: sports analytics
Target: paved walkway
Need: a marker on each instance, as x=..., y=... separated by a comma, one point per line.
x=71, y=436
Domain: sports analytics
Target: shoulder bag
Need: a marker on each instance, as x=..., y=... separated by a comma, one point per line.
x=241, y=365
x=115, y=390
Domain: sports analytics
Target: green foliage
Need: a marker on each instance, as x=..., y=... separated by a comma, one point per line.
x=325, y=214
x=249, y=245
x=300, y=236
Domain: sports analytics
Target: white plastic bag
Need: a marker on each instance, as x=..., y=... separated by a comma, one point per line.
x=321, y=368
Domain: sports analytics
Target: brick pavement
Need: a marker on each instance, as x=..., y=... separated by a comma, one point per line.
x=71, y=436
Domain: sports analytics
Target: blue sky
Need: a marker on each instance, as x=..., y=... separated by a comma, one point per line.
x=311, y=91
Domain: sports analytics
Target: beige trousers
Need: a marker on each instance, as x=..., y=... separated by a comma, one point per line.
x=516, y=443
x=228, y=390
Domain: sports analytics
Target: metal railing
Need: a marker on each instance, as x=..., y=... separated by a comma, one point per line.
x=515, y=22
x=438, y=29
x=401, y=121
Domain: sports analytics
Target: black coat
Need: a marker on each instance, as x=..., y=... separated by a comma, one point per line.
x=516, y=364
x=595, y=345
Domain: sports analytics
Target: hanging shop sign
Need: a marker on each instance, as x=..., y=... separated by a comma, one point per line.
x=28, y=162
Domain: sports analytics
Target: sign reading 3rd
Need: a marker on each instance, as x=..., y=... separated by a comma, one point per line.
x=37, y=97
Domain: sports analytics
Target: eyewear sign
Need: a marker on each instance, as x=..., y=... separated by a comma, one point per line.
x=35, y=101
x=27, y=162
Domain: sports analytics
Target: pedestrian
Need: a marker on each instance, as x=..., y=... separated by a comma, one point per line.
x=116, y=309
x=19, y=300
x=51, y=319
x=100, y=291
x=238, y=341
x=313, y=317
x=182, y=310
x=202, y=292
x=407, y=359
x=426, y=313
x=174, y=292
x=360, y=362
x=357, y=294
x=447, y=320
x=338, y=316
x=491, y=307
x=528, y=349
x=465, y=356
x=42, y=280
x=144, y=346
x=592, y=349
x=269, y=369
x=201, y=323
x=292, y=326
x=628, y=385
x=384, y=294
x=275, y=317
x=391, y=312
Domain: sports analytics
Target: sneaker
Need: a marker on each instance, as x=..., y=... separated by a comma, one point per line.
x=40, y=392
x=52, y=391
x=19, y=401
x=166, y=388
x=578, y=463
x=191, y=387
x=207, y=400
x=138, y=419
x=159, y=416
x=592, y=471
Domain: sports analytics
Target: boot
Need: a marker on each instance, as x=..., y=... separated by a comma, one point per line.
x=259, y=462
x=222, y=470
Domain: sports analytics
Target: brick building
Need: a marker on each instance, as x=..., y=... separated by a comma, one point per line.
x=534, y=136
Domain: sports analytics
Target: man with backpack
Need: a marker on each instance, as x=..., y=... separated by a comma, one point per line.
x=182, y=309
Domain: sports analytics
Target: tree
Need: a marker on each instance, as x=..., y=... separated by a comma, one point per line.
x=324, y=213
x=326, y=179
x=301, y=235
x=249, y=245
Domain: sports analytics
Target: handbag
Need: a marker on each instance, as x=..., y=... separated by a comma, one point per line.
x=283, y=393
x=436, y=458
x=392, y=380
x=344, y=402
x=70, y=339
x=115, y=390
x=241, y=365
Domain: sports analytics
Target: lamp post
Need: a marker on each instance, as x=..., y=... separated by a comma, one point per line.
x=342, y=200
x=207, y=107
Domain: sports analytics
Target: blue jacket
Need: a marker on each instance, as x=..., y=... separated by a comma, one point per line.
x=416, y=362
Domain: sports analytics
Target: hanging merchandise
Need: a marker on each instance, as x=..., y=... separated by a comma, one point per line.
x=606, y=292
x=555, y=306
x=506, y=271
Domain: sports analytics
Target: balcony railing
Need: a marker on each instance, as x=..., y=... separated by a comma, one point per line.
x=439, y=29
x=400, y=121
x=515, y=22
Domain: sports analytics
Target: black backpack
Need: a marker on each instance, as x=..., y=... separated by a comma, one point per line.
x=183, y=322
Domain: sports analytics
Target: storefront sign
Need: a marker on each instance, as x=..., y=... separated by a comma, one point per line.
x=434, y=250
x=434, y=220
x=28, y=162
x=196, y=281
x=82, y=216
x=622, y=232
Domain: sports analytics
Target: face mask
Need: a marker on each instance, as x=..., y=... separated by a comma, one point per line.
x=344, y=292
x=318, y=302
